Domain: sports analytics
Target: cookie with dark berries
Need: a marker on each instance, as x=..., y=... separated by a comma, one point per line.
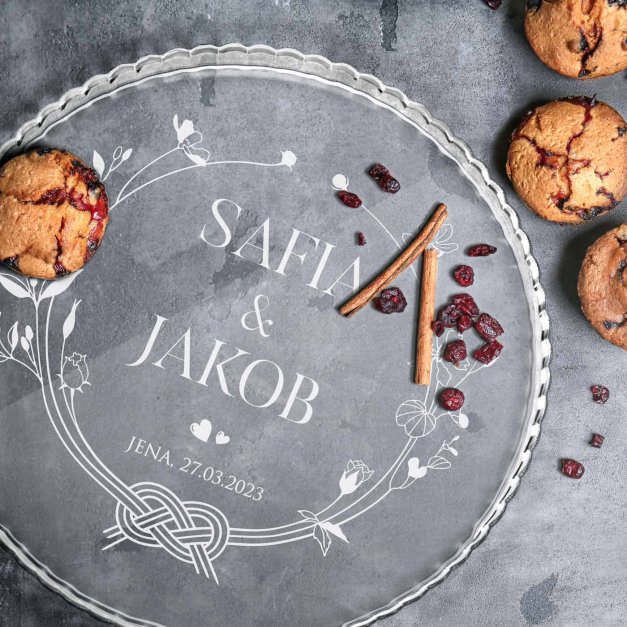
x=53, y=213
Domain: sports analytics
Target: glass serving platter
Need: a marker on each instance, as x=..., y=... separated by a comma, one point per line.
x=191, y=433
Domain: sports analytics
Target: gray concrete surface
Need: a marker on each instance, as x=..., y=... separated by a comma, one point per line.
x=558, y=555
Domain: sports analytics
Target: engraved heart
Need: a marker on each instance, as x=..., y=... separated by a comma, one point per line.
x=221, y=438
x=201, y=430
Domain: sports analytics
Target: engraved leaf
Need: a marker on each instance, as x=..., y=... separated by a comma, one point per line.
x=441, y=241
x=437, y=462
x=13, y=336
x=323, y=538
x=307, y=515
x=443, y=374
x=127, y=153
x=336, y=530
x=70, y=321
x=444, y=234
x=54, y=288
x=197, y=158
x=12, y=286
x=98, y=163
x=117, y=153
x=25, y=344
x=28, y=332
x=461, y=421
x=448, y=247
x=414, y=417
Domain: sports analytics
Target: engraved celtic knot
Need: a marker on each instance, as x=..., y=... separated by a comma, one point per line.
x=191, y=531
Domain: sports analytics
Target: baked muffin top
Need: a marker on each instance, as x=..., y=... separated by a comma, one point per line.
x=53, y=213
x=567, y=159
x=579, y=38
x=602, y=285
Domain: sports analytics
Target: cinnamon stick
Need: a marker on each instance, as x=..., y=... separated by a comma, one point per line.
x=427, y=308
x=402, y=262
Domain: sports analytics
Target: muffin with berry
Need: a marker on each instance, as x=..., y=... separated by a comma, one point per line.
x=53, y=213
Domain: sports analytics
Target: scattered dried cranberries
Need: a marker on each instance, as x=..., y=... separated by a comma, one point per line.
x=600, y=394
x=361, y=239
x=438, y=328
x=493, y=4
x=487, y=327
x=391, y=300
x=597, y=440
x=466, y=304
x=452, y=399
x=349, y=199
x=389, y=184
x=448, y=315
x=481, y=250
x=386, y=181
x=488, y=352
x=464, y=323
x=464, y=275
x=377, y=171
x=572, y=468
x=455, y=351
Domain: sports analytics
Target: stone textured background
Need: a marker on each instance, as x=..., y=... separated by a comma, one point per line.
x=558, y=555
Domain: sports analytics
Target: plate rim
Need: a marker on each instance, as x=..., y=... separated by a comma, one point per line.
x=261, y=56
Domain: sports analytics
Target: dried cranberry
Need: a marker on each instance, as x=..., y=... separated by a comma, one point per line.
x=464, y=323
x=487, y=327
x=600, y=394
x=349, y=199
x=386, y=181
x=438, y=328
x=481, y=250
x=78, y=201
x=377, y=171
x=572, y=468
x=361, y=239
x=389, y=184
x=455, y=351
x=54, y=196
x=448, y=316
x=487, y=353
x=493, y=4
x=466, y=304
x=452, y=399
x=597, y=440
x=464, y=275
x=391, y=300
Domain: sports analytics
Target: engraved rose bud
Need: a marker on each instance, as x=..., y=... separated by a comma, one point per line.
x=74, y=373
x=355, y=474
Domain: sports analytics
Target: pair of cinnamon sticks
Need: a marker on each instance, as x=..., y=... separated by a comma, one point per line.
x=427, y=289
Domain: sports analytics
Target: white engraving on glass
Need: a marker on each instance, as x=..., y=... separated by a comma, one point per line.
x=222, y=438
x=119, y=157
x=147, y=513
x=201, y=430
x=150, y=514
x=256, y=312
